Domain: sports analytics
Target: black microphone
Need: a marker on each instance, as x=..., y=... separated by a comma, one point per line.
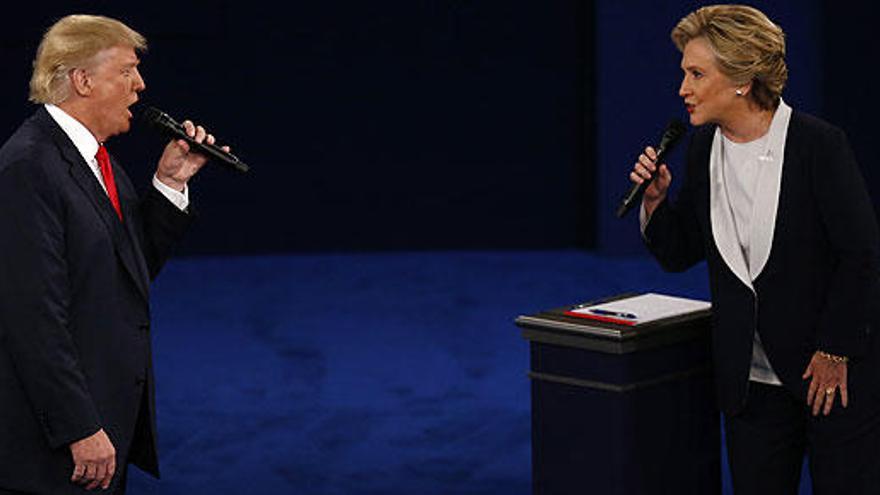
x=671, y=136
x=172, y=129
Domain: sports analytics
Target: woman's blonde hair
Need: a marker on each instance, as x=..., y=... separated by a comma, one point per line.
x=748, y=46
x=71, y=43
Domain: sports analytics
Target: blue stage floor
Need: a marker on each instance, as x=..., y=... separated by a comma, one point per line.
x=392, y=373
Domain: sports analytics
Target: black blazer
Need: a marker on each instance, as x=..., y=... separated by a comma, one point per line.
x=74, y=309
x=819, y=284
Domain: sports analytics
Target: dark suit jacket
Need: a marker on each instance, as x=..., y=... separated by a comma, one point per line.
x=819, y=284
x=74, y=309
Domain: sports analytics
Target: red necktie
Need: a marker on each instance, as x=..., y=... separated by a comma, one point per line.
x=107, y=173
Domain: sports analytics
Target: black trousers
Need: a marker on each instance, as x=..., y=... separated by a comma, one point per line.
x=766, y=443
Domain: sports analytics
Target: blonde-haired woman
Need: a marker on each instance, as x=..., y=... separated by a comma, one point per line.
x=774, y=201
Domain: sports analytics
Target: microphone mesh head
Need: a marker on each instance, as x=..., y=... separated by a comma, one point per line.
x=153, y=117
x=674, y=131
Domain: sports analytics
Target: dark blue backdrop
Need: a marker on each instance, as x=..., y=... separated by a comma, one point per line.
x=433, y=124
x=369, y=125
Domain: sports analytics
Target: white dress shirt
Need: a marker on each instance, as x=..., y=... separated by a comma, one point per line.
x=87, y=146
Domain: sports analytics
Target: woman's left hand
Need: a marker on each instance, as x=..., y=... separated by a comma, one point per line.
x=829, y=375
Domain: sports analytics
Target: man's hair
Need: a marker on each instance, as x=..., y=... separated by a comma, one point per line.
x=748, y=46
x=71, y=43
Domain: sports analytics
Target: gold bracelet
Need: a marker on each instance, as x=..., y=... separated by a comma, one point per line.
x=834, y=359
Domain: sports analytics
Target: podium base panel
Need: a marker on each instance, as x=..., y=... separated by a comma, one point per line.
x=657, y=435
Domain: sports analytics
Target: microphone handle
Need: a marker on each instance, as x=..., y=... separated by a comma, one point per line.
x=211, y=150
x=636, y=191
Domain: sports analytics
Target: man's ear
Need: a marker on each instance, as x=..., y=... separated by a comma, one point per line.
x=80, y=82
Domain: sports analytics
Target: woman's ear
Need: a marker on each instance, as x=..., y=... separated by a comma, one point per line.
x=744, y=89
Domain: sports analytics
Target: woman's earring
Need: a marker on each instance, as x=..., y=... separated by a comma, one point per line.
x=739, y=92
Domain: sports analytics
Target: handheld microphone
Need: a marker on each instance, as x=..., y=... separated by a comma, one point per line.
x=671, y=136
x=172, y=129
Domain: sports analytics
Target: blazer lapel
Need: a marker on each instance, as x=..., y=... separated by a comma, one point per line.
x=766, y=201
x=723, y=228
x=121, y=240
x=83, y=177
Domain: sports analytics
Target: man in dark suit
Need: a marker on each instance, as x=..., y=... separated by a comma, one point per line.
x=77, y=251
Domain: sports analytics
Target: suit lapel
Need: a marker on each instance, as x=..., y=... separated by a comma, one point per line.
x=765, y=205
x=766, y=201
x=83, y=177
x=723, y=227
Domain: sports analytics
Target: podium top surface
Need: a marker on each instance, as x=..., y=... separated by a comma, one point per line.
x=556, y=322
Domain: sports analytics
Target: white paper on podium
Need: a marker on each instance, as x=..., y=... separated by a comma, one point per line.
x=646, y=307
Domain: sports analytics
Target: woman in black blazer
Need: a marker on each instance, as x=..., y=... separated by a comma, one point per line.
x=773, y=200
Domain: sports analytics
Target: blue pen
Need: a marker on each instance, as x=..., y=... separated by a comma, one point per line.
x=614, y=314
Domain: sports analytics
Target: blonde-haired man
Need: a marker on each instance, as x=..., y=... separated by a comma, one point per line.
x=76, y=256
